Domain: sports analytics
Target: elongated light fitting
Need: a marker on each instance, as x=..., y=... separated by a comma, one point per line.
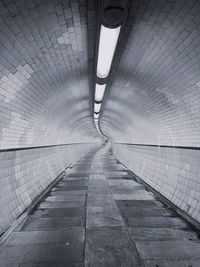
x=97, y=107
x=99, y=91
x=96, y=116
x=107, y=44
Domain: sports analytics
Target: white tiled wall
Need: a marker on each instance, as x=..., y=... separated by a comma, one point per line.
x=44, y=75
x=24, y=174
x=175, y=173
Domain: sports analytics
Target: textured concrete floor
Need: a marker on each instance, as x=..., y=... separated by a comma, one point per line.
x=97, y=215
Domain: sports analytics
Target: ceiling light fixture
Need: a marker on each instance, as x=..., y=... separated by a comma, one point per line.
x=96, y=116
x=112, y=18
x=107, y=44
x=99, y=91
x=97, y=107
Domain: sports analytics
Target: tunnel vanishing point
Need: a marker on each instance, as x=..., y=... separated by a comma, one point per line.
x=99, y=133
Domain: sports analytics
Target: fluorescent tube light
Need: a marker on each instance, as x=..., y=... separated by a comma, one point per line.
x=107, y=44
x=99, y=91
x=97, y=107
x=96, y=116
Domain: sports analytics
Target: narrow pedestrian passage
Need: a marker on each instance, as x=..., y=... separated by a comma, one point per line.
x=98, y=215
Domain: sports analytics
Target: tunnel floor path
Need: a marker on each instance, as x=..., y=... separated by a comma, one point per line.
x=97, y=215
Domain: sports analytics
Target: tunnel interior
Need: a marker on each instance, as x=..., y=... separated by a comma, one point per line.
x=149, y=117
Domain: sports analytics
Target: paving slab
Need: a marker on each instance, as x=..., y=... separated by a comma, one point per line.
x=98, y=190
x=68, y=193
x=124, y=183
x=156, y=222
x=42, y=253
x=139, y=203
x=118, y=173
x=133, y=211
x=64, y=183
x=119, y=178
x=133, y=196
x=73, y=174
x=69, y=188
x=46, y=237
x=110, y=247
x=66, y=198
x=173, y=249
x=103, y=216
x=51, y=223
x=78, y=179
x=60, y=204
x=114, y=170
x=128, y=191
x=104, y=202
x=59, y=212
x=160, y=234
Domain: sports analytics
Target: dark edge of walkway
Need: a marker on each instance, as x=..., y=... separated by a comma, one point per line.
x=38, y=147
x=160, y=146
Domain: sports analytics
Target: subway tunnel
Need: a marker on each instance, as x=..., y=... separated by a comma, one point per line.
x=99, y=133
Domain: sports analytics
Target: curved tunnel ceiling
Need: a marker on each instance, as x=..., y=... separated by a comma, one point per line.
x=44, y=73
x=156, y=77
x=47, y=54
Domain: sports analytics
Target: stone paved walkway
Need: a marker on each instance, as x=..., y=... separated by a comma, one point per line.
x=97, y=216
